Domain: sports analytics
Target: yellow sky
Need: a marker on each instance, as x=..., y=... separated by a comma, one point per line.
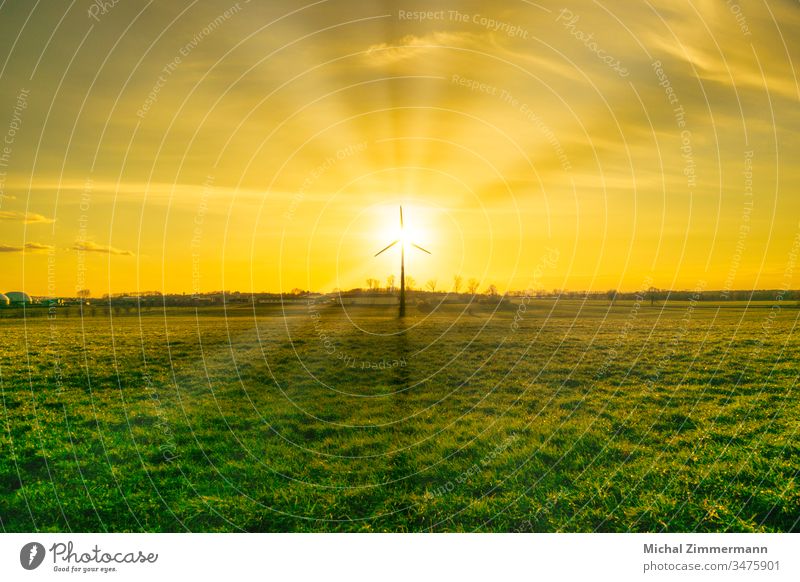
x=267, y=145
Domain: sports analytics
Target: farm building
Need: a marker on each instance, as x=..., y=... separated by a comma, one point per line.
x=18, y=298
x=4, y=300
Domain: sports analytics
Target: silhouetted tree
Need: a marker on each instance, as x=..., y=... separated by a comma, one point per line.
x=472, y=286
x=431, y=284
x=651, y=293
x=457, y=281
x=390, y=283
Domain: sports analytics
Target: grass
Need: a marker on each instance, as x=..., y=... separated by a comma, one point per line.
x=581, y=417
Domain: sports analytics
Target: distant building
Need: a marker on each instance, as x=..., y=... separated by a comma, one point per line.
x=202, y=299
x=289, y=298
x=4, y=300
x=367, y=299
x=18, y=298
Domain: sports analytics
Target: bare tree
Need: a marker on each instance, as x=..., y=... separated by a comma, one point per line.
x=472, y=286
x=431, y=284
x=410, y=283
x=390, y=283
x=372, y=284
x=457, y=280
x=491, y=290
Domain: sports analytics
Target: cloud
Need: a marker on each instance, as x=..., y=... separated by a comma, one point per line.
x=717, y=56
x=472, y=46
x=161, y=193
x=31, y=247
x=26, y=217
x=92, y=247
x=410, y=45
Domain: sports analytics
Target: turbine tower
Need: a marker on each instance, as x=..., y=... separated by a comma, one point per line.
x=403, y=242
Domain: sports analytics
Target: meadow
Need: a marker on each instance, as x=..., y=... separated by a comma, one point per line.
x=563, y=416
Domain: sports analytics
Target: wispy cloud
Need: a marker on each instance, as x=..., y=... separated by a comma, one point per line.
x=92, y=247
x=153, y=192
x=411, y=45
x=735, y=68
x=26, y=217
x=30, y=247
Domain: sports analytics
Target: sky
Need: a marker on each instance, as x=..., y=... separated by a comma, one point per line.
x=191, y=146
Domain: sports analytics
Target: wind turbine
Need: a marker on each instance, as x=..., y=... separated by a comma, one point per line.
x=403, y=242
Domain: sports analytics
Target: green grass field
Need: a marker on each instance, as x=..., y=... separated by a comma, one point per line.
x=572, y=417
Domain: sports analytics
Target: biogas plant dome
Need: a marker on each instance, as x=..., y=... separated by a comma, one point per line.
x=18, y=297
x=4, y=300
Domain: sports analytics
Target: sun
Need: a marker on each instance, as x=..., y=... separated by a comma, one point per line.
x=409, y=235
x=407, y=231
x=402, y=234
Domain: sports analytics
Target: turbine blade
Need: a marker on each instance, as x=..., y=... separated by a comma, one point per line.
x=420, y=248
x=401, y=217
x=388, y=247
